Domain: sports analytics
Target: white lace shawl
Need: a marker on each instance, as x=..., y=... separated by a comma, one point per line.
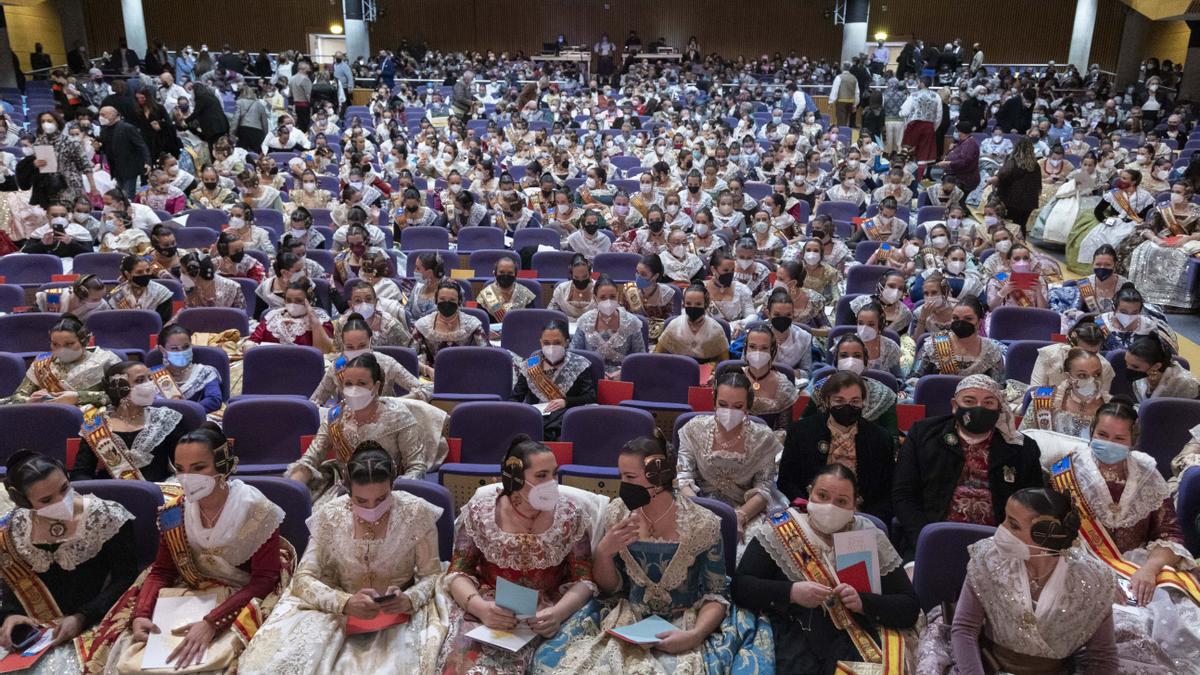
x=734, y=477
x=160, y=422
x=101, y=521
x=286, y=328
x=85, y=373
x=612, y=348
x=563, y=377
x=246, y=523
x=680, y=270
x=195, y=377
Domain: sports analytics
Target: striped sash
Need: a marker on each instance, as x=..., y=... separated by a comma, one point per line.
x=165, y=383
x=943, y=353
x=108, y=448
x=43, y=370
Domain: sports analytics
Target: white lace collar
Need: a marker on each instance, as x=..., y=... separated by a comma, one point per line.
x=286, y=328
x=523, y=551
x=101, y=521
x=160, y=422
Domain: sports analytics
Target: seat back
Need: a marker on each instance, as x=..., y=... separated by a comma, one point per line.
x=268, y=430
x=11, y=296
x=597, y=433
x=44, y=427
x=660, y=377
x=1021, y=357
x=195, y=237
x=440, y=497
x=483, y=262
x=488, y=427
x=29, y=268
x=213, y=219
x=106, y=266
x=140, y=498
x=282, y=369
x=552, y=264
x=522, y=329
x=12, y=372
x=843, y=315
x=291, y=496
x=479, y=238
x=535, y=236
x=1023, y=323
x=941, y=561
x=1166, y=425
x=193, y=413
x=1189, y=509
x=728, y=529
x=424, y=236
x=934, y=392
x=213, y=319
x=864, y=278
x=618, y=266
x=29, y=332
x=473, y=370
x=124, y=329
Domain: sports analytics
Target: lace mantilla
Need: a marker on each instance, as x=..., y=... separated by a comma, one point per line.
x=160, y=422
x=194, y=379
x=467, y=325
x=246, y=522
x=286, y=328
x=84, y=373
x=523, y=551
x=101, y=521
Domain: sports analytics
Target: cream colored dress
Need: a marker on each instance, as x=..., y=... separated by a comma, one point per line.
x=307, y=631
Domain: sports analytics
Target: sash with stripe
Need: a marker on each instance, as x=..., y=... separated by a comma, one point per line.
x=165, y=383
x=43, y=370
x=337, y=435
x=537, y=377
x=943, y=353
x=108, y=448
x=1100, y=541
x=1087, y=293
x=36, y=600
x=123, y=299
x=633, y=298
x=1168, y=217
x=1122, y=200
x=490, y=300
x=54, y=300
x=1043, y=408
x=889, y=655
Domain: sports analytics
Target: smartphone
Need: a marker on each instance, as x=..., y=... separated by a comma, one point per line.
x=23, y=636
x=379, y=600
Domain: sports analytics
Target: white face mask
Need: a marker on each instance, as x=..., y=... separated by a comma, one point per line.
x=554, y=353
x=544, y=496
x=911, y=250
x=890, y=295
x=1126, y=319
x=81, y=217
x=310, y=187
x=758, y=360
x=366, y=309
x=1012, y=548
x=729, y=418
x=827, y=518
x=68, y=355
x=647, y=188
x=60, y=510
x=701, y=230
x=990, y=220
x=607, y=307
x=591, y=183
x=940, y=241
x=236, y=223
x=851, y=364
x=1177, y=198
x=357, y=397
x=196, y=485
x=143, y=394
x=49, y=127
x=812, y=258
x=867, y=333
x=679, y=251
x=726, y=209
x=296, y=309
x=352, y=354
x=672, y=209
x=1003, y=246
x=955, y=266
x=1086, y=387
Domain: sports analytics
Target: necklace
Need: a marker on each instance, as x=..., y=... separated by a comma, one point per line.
x=651, y=523
x=754, y=380
x=123, y=413
x=720, y=444
x=517, y=510
x=210, y=521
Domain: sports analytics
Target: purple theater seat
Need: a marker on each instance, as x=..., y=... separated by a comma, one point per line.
x=140, y=498
x=210, y=356
x=124, y=329
x=195, y=237
x=934, y=392
x=483, y=262
x=107, y=266
x=440, y=497
x=1189, y=509
x=536, y=236
x=728, y=529
x=324, y=217
x=274, y=369
x=267, y=431
x=424, y=236
x=472, y=373
x=660, y=381
x=12, y=371
x=480, y=238
x=928, y=213
x=291, y=496
x=864, y=278
x=44, y=427
x=11, y=296
x=1166, y=425
x=597, y=434
x=1021, y=357
x=213, y=319
x=941, y=561
x=842, y=314
x=193, y=413
x=863, y=250
x=488, y=427
x=552, y=264
x=29, y=268
x=522, y=329
x=1023, y=323
x=29, y=332
x=213, y=219
x=844, y=211
x=449, y=259
x=619, y=266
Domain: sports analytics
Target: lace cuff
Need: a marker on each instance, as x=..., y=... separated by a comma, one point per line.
x=595, y=590
x=448, y=580
x=1186, y=562
x=713, y=597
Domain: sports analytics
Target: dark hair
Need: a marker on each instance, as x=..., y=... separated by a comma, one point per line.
x=1105, y=249
x=716, y=258
x=452, y=285
x=130, y=261
x=1086, y=331
x=1129, y=293
x=580, y=260
x=355, y=284
x=1122, y=408
x=696, y=288
x=560, y=326
x=304, y=215
x=733, y=376
x=1151, y=348
x=210, y=435
x=1056, y=524
x=370, y=463
x=1077, y=353
x=23, y=469
x=603, y=280
x=795, y=270
x=284, y=261
x=657, y=458
x=777, y=297
x=840, y=380
x=972, y=302
x=118, y=389
x=69, y=323
x=764, y=329
x=172, y=329
x=433, y=262
x=516, y=461
x=837, y=470
x=355, y=321
x=849, y=337
x=369, y=362
x=654, y=263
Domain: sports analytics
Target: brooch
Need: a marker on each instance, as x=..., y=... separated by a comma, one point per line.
x=950, y=439
x=823, y=447
x=1010, y=474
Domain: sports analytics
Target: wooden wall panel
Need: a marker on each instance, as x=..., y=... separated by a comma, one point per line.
x=720, y=25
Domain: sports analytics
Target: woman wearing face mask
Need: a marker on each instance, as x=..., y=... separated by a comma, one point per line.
x=1005, y=291
x=879, y=404
x=407, y=429
x=370, y=544
x=932, y=255
x=376, y=270
x=961, y=350
x=448, y=326
x=203, y=287
x=883, y=353
x=210, y=193
x=232, y=543
x=229, y=255
x=588, y=240
x=679, y=262
x=1129, y=319
x=647, y=296
x=429, y=270
x=72, y=161
x=648, y=240
x=731, y=300
x=241, y=225
x=889, y=295
x=298, y=322
x=84, y=296
x=696, y=333
x=964, y=278
x=1079, y=194
x=794, y=342
x=1130, y=525
x=764, y=237
x=1069, y=407
x=808, y=306
x=1156, y=178
x=70, y=373
x=1157, y=256
x=646, y=196
x=575, y=296
x=1117, y=215
x=1095, y=293
x=525, y=531
x=71, y=560
x=937, y=309
x=504, y=294
x=805, y=605
x=1152, y=371
x=609, y=329
x=138, y=291
x=730, y=215
x=846, y=190
x=412, y=212
x=727, y=457
x=622, y=217
x=355, y=337
x=1085, y=335
x=133, y=439
x=775, y=394
x=352, y=218
x=1031, y=602
x=651, y=527
x=286, y=269
x=819, y=276
x=308, y=194
x=704, y=240
x=885, y=226
x=181, y=377
x=555, y=380
x=385, y=316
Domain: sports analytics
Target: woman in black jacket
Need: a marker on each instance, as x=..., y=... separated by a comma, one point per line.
x=1019, y=184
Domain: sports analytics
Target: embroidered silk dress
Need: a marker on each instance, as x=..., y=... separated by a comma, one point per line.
x=85, y=377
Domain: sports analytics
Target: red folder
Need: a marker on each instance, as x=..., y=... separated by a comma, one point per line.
x=700, y=398
x=612, y=392
x=856, y=575
x=354, y=625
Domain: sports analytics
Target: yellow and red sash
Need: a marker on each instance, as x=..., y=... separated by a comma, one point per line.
x=54, y=300
x=165, y=383
x=1122, y=201
x=490, y=300
x=1043, y=408
x=890, y=653
x=337, y=435
x=633, y=298
x=123, y=299
x=36, y=600
x=1100, y=541
x=537, y=377
x=109, y=449
x=1088, y=293
x=943, y=353
x=1173, y=225
x=43, y=370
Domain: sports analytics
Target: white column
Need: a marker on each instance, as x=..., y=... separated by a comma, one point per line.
x=854, y=31
x=1081, y=34
x=358, y=41
x=135, y=26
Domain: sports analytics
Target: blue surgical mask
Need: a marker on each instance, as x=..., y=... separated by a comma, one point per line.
x=180, y=359
x=643, y=283
x=1108, y=452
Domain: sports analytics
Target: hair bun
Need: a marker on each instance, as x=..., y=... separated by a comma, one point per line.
x=18, y=458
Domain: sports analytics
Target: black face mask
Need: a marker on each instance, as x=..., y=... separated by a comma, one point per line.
x=210, y=186
x=505, y=280
x=447, y=308
x=976, y=419
x=581, y=283
x=961, y=328
x=725, y=280
x=635, y=496
x=1102, y=273
x=591, y=228
x=167, y=251
x=693, y=189
x=237, y=257
x=656, y=225
x=781, y=323
x=1135, y=375
x=846, y=415
x=818, y=234
x=142, y=280
x=412, y=208
x=694, y=313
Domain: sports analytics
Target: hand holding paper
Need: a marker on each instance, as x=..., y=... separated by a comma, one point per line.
x=518, y=599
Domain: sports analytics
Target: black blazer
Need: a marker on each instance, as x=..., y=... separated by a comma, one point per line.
x=208, y=117
x=806, y=450
x=125, y=149
x=929, y=467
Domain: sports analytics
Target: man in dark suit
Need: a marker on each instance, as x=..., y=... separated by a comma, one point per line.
x=126, y=150
x=39, y=60
x=208, y=120
x=1016, y=114
x=124, y=60
x=963, y=467
x=77, y=58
